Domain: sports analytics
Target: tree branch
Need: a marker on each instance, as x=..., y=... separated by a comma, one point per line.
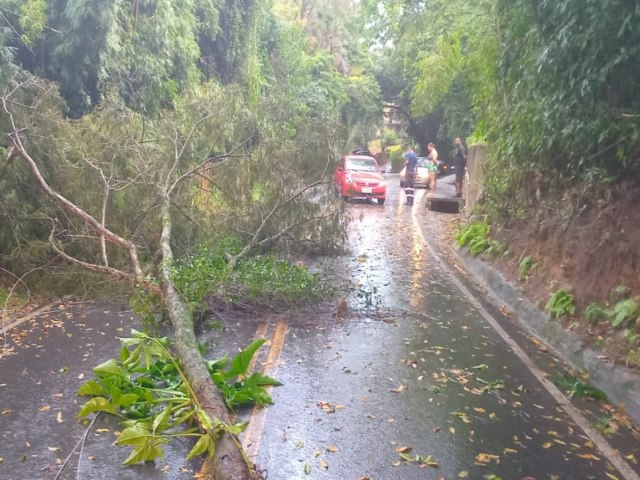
x=65, y=203
x=254, y=240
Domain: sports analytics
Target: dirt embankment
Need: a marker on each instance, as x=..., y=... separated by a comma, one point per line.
x=586, y=242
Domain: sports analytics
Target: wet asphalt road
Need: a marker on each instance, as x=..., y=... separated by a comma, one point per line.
x=411, y=366
x=422, y=374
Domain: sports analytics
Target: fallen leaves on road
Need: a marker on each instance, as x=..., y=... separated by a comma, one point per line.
x=399, y=389
x=486, y=458
x=329, y=407
x=420, y=460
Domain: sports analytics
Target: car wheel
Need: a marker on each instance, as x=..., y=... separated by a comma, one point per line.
x=381, y=201
x=346, y=199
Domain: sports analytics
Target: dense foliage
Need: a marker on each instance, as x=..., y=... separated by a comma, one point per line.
x=251, y=99
x=147, y=389
x=259, y=282
x=551, y=86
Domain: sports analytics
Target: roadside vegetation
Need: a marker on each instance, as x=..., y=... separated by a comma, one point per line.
x=140, y=138
x=550, y=92
x=172, y=151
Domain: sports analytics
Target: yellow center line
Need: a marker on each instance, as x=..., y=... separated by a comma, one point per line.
x=206, y=470
x=253, y=433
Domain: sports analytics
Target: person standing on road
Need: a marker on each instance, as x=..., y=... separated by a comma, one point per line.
x=432, y=166
x=460, y=165
x=411, y=162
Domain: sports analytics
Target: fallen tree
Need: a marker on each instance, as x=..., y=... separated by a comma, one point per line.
x=132, y=155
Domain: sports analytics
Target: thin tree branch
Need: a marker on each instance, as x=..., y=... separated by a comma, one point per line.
x=254, y=240
x=67, y=204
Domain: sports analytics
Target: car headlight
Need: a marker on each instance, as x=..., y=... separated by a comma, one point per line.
x=382, y=183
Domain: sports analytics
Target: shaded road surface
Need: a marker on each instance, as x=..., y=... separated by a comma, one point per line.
x=408, y=377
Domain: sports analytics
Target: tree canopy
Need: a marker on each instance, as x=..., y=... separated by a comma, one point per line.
x=547, y=85
x=139, y=74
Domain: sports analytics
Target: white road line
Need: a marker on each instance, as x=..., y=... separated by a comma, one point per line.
x=613, y=456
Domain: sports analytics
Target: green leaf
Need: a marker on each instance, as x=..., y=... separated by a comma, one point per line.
x=110, y=367
x=144, y=453
x=127, y=399
x=236, y=428
x=205, y=420
x=91, y=388
x=260, y=379
x=116, y=394
x=124, y=354
x=161, y=422
x=623, y=312
x=241, y=361
x=219, y=364
x=183, y=417
x=137, y=434
x=201, y=446
x=139, y=334
x=96, y=404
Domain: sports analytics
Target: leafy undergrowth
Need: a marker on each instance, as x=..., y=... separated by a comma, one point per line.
x=257, y=284
x=584, y=242
x=261, y=282
x=476, y=237
x=147, y=389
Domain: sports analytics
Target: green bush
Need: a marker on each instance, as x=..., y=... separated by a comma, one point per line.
x=476, y=238
x=397, y=160
x=595, y=312
x=560, y=303
x=623, y=312
x=389, y=137
x=525, y=267
x=261, y=280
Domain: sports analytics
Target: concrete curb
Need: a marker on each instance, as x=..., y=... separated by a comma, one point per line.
x=621, y=384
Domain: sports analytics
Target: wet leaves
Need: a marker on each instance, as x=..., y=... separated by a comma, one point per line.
x=486, y=458
x=399, y=388
x=462, y=416
x=417, y=459
x=329, y=407
x=589, y=456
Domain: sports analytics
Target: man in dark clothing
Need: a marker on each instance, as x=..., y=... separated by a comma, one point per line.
x=411, y=162
x=460, y=164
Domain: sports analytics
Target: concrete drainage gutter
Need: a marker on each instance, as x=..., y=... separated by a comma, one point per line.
x=621, y=384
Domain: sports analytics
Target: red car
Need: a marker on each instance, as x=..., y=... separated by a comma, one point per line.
x=359, y=176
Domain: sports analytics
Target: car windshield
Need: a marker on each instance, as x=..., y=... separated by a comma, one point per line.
x=361, y=164
x=422, y=162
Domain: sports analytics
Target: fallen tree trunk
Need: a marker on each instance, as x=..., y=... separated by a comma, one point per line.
x=229, y=462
